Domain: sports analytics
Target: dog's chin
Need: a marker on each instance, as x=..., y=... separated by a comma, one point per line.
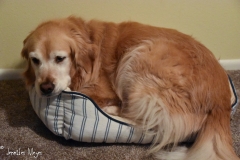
x=50, y=94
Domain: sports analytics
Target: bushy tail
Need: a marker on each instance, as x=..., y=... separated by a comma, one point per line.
x=213, y=141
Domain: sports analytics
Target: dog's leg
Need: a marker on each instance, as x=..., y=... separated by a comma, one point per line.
x=151, y=112
x=157, y=102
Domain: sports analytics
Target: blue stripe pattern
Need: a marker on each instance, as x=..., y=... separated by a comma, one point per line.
x=95, y=125
x=141, y=139
x=130, y=135
x=107, y=130
x=72, y=117
x=55, y=126
x=84, y=120
x=118, y=133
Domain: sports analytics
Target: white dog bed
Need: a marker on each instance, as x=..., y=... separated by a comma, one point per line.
x=75, y=116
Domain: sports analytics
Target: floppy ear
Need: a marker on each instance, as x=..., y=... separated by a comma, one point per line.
x=26, y=45
x=28, y=74
x=85, y=54
x=85, y=59
x=24, y=52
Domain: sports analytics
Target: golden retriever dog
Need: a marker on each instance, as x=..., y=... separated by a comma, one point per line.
x=168, y=83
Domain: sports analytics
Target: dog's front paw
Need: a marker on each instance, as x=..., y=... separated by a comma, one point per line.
x=112, y=110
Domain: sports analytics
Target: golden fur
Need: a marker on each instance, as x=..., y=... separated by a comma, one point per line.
x=167, y=82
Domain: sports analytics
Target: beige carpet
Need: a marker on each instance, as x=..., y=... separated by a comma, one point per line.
x=23, y=135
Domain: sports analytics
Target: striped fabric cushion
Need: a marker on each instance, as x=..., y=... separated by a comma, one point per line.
x=234, y=97
x=75, y=116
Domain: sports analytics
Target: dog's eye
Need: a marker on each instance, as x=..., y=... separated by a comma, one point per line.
x=59, y=59
x=35, y=61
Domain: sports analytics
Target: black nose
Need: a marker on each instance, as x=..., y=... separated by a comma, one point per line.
x=47, y=87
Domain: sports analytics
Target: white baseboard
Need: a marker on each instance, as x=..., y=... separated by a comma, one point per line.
x=231, y=64
x=7, y=74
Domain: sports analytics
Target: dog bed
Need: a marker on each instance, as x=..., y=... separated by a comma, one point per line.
x=73, y=115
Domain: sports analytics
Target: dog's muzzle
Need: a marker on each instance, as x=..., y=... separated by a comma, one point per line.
x=47, y=88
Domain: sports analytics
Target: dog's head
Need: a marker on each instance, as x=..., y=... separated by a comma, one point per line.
x=58, y=52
